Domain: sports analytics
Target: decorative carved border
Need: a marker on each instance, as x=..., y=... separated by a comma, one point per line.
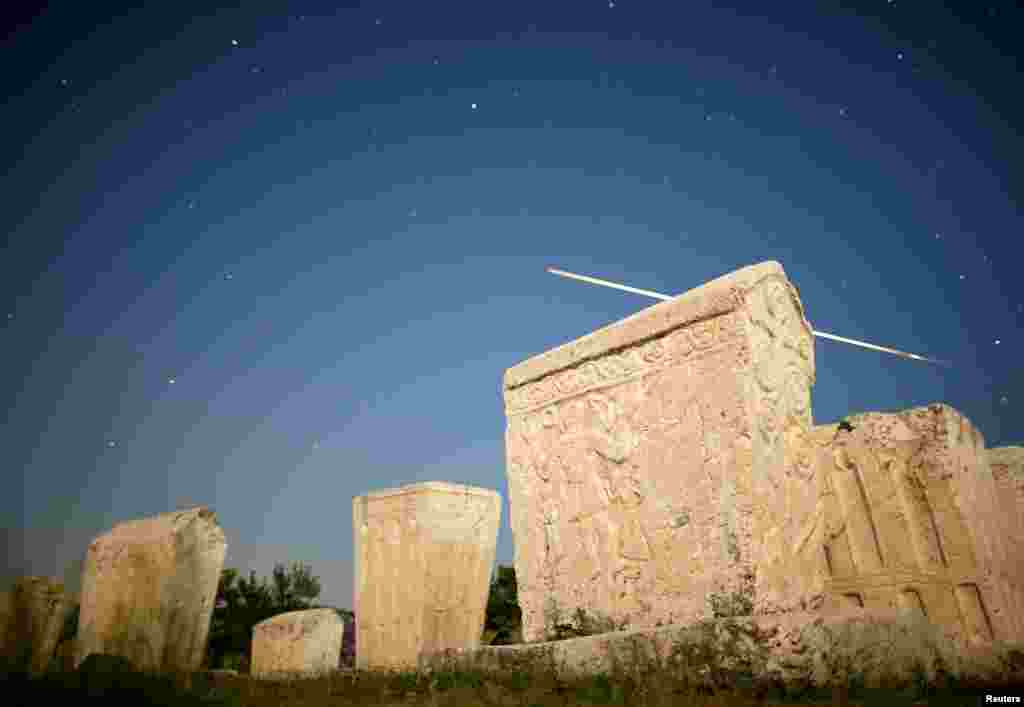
x=691, y=342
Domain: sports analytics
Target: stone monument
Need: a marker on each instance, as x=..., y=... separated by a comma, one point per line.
x=423, y=560
x=148, y=590
x=647, y=462
x=31, y=619
x=910, y=517
x=305, y=642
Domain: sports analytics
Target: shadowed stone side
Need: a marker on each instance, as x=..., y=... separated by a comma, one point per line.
x=148, y=589
x=1008, y=471
x=423, y=560
x=647, y=463
x=31, y=616
x=297, y=643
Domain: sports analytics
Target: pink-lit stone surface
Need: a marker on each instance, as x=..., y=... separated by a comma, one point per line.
x=647, y=463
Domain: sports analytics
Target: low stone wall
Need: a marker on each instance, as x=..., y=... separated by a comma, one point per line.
x=875, y=648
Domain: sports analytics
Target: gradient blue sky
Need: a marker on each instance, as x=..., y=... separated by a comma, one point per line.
x=329, y=226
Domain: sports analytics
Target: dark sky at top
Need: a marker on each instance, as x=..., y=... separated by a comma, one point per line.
x=272, y=257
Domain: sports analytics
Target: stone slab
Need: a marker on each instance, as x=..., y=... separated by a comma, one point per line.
x=148, y=589
x=910, y=518
x=1008, y=470
x=423, y=559
x=304, y=643
x=647, y=464
x=31, y=619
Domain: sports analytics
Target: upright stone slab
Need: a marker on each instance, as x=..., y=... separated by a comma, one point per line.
x=148, y=589
x=911, y=519
x=1008, y=470
x=423, y=559
x=32, y=616
x=646, y=461
x=297, y=643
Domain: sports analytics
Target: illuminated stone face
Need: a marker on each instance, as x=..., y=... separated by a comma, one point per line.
x=148, y=588
x=647, y=462
x=303, y=643
x=423, y=560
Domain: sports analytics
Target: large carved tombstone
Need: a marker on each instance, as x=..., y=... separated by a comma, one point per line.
x=646, y=461
x=31, y=618
x=912, y=520
x=148, y=590
x=423, y=560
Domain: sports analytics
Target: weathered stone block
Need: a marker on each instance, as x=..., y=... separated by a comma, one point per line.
x=647, y=464
x=31, y=618
x=910, y=518
x=306, y=643
x=423, y=560
x=148, y=589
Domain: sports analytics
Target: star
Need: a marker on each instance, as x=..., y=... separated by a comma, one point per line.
x=611, y=3
x=1004, y=400
x=436, y=61
x=962, y=277
x=10, y=315
x=937, y=236
x=997, y=342
x=473, y=106
x=111, y=443
x=64, y=82
x=377, y=21
x=842, y=112
x=171, y=381
x=413, y=213
x=234, y=42
x=900, y=56
x=228, y=276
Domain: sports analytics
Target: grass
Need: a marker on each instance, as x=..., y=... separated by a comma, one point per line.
x=716, y=670
x=647, y=686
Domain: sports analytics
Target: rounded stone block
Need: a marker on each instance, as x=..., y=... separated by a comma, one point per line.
x=305, y=642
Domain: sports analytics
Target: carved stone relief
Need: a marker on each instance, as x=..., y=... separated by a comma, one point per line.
x=630, y=474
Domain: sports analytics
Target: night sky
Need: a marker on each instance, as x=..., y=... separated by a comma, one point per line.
x=267, y=259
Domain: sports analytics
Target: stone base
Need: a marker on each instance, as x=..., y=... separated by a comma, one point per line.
x=874, y=648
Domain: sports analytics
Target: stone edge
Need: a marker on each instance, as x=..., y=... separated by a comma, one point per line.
x=719, y=296
x=288, y=615
x=425, y=486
